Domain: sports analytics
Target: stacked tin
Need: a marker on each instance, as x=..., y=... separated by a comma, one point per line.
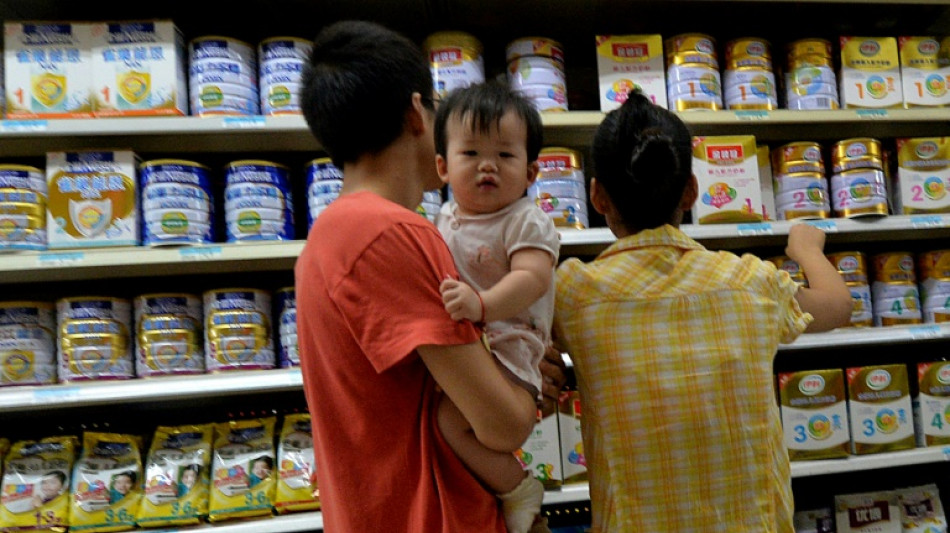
x=177, y=206
x=27, y=343
x=258, y=205
x=93, y=338
x=934, y=270
x=431, y=204
x=810, y=81
x=324, y=183
x=455, y=59
x=287, y=327
x=222, y=77
x=854, y=270
x=168, y=335
x=799, y=181
x=560, y=190
x=238, y=330
x=282, y=60
x=692, y=76
x=536, y=69
x=749, y=82
x=22, y=208
x=858, y=185
x=895, y=295
x=783, y=262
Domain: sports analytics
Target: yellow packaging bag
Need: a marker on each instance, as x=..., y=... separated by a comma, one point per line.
x=176, y=476
x=243, y=479
x=295, y=466
x=107, y=483
x=34, y=492
x=4, y=448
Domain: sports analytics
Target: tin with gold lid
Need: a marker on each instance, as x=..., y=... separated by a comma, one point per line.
x=863, y=152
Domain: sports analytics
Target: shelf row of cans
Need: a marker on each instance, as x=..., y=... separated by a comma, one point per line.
x=916, y=509
x=105, y=338
x=144, y=68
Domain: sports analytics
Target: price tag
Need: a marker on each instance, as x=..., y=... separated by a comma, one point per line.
x=762, y=228
x=14, y=126
x=752, y=115
x=245, y=123
x=200, y=253
x=60, y=259
x=919, y=333
x=926, y=221
x=946, y=453
x=871, y=114
x=55, y=395
x=294, y=377
x=828, y=226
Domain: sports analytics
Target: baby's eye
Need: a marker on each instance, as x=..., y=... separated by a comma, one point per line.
x=507, y=154
x=469, y=153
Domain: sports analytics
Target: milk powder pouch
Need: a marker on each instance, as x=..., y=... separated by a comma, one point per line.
x=176, y=476
x=243, y=480
x=870, y=512
x=573, y=461
x=870, y=73
x=48, y=69
x=932, y=404
x=107, y=483
x=814, y=521
x=138, y=68
x=814, y=414
x=4, y=450
x=727, y=171
x=880, y=409
x=296, y=466
x=92, y=198
x=628, y=62
x=34, y=492
x=921, y=510
x=541, y=453
x=923, y=176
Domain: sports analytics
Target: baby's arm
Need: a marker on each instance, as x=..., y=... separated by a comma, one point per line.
x=528, y=280
x=827, y=297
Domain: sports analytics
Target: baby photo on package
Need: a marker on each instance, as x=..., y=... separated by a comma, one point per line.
x=34, y=491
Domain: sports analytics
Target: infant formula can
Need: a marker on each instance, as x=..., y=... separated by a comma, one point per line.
x=880, y=409
x=287, y=323
x=534, y=46
x=22, y=208
x=932, y=404
x=700, y=89
x=810, y=79
x=750, y=88
x=870, y=73
x=27, y=343
x=93, y=338
x=923, y=77
x=168, y=334
x=258, y=204
x=546, y=97
x=810, y=47
x=787, y=264
x=748, y=52
x=565, y=212
x=805, y=197
x=238, y=330
x=560, y=163
x=533, y=70
x=894, y=267
x=692, y=48
x=895, y=293
x=859, y=192
x=212, y=71
x=557, y=188
x=177, y=207
x=628, y=61
x=850, y=154
x=923, y=176
x=455, y=59
x=224, y=77
x=814, y=414
x=324, y=183
x=282, y=62
x=798, y=157
x=853, y=269
x=934, y=273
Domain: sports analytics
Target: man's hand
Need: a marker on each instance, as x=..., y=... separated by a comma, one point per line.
x=461, y=301
x=553, y=378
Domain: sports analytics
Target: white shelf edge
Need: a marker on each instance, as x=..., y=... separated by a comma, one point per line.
x=869, y=336
x=857, y=463
x=80, y=394
x=570, y=493
x=289, y=523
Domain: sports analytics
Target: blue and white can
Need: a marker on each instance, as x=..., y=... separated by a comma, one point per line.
x=168, y=335
x=258, y=204
x=287, y=327
x=222, y=77
x=177, y=206
x=282, y=63
x=324, y=183
x=27, y=343
x=23, y=195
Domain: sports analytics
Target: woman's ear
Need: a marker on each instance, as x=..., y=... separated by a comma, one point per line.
x=690, y=193
x=598, y=197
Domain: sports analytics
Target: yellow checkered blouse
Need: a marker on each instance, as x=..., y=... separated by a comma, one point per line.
x=673, y=347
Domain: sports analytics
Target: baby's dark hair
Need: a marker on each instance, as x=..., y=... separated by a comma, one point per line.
x=642, y=157
x=266, y=459
x=58, y=474
x=129, y=474
x=485, y=104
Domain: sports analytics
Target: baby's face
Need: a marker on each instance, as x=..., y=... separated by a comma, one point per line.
x=260, y=469
x=51, y=486
x=486, y=170
x=122, y=484
x=188, y=477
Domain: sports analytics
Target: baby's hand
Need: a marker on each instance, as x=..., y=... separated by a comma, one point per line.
x=460, y=300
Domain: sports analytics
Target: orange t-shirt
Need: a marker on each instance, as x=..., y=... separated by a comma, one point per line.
x=367, y=296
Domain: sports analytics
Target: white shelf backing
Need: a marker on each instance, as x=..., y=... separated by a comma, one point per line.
x=856, y=463
x=81, y=394
x=869, y=336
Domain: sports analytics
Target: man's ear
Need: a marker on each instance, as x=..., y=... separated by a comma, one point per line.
x=441, y=166
x=415, y=116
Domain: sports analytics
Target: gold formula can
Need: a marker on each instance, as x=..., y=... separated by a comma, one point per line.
x=809, y=47
x=748, y=52
x=691, y=49
x=797, y=157
x=894, y=267
x=455, y=59
x=935, y=264
x=534, y=46
x=852, y=266
x=783, y=262
x=863, y=152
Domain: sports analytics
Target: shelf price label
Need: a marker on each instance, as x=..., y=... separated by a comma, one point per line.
x=871, y=114
x=19, y=126
x=759, y=228
x=55, y=395
x=200, y=253
x=244, y=123
x=927, y=221
x=59, y=259
x=752, y=115
x=828, y=226
x=919, y=333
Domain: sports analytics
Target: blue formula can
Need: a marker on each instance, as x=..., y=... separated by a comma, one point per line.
x=222, y=77
x=177, y=206
x=324, y=183
x=27, y=343
x=22, y=208
x=258, y=204
x=282, y=62
x=287, y=327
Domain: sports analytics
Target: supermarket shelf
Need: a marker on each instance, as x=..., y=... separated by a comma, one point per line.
x=575, y=492
x=290, y=523
x=869, y=336
x=149, y=390
x=855, y=463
